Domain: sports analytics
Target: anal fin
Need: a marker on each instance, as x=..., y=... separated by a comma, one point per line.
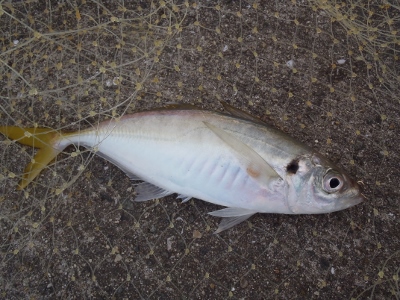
x=231, y=217
x=184, y=198
x=147, y=191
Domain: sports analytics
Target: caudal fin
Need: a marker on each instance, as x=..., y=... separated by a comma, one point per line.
x=43, y=138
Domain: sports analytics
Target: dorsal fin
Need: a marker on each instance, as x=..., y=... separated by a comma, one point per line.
x=240, y=113
x=183, y=106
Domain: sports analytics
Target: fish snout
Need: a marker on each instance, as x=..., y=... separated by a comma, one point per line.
x=353, y=195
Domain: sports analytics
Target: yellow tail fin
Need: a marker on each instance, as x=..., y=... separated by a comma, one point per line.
x=42, y=138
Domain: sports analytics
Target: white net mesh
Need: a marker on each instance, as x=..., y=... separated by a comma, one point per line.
x=326, y=72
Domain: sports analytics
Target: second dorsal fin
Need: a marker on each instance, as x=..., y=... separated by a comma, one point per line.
x=240, y=113
x=183, y=106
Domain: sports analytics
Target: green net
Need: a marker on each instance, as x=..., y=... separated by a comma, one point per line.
x=326, y=72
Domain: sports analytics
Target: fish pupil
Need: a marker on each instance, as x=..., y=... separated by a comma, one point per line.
x=334, y=183
x=293, y=166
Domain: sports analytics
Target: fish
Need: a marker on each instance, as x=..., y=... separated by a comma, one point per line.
x=230, y=158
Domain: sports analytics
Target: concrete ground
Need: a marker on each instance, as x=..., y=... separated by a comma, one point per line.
x=326, y=73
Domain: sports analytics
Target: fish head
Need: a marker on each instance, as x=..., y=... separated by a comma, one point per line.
x=316, y=186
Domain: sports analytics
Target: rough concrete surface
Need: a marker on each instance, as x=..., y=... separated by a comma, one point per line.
x=325, y=72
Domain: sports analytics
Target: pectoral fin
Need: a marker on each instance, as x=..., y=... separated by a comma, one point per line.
x=255, y=166
x=231, y=217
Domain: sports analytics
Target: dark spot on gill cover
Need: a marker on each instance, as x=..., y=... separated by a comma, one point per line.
x=293, y=166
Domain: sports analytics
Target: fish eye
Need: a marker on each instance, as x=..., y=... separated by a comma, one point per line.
x=332, y=182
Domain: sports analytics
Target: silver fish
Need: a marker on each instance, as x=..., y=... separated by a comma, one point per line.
x=234, y=160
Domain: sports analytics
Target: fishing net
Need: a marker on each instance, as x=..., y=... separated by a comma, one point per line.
x=326, y=72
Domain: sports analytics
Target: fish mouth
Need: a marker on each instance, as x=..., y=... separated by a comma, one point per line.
x=349, y=202
x=354, y=195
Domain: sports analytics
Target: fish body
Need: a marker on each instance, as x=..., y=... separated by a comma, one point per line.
x=234, y=160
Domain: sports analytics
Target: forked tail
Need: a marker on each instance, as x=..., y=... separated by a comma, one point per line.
x=47, y=140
